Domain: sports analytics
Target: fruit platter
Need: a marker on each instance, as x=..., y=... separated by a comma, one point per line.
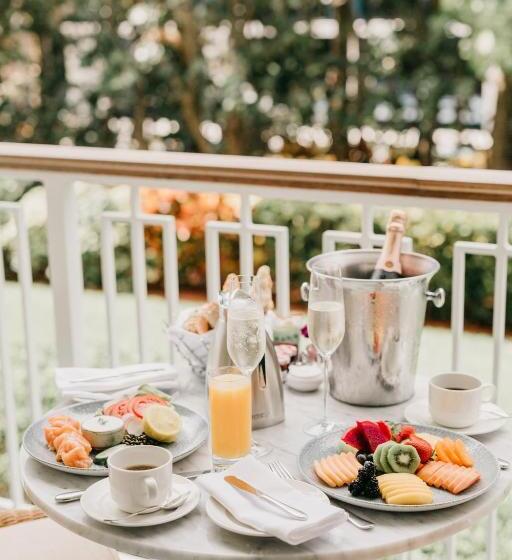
x=79, y=438
x=398, y=467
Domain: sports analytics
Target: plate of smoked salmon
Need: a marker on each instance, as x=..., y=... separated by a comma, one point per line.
x=79, y=438
x=398, y=467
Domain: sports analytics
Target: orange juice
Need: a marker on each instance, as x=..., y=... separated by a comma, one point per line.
x=230, y=415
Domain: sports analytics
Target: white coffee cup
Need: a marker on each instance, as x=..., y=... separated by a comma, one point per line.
x=134, y=489
x=455, y=399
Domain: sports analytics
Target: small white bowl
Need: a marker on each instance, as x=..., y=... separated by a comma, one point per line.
x=304, y=378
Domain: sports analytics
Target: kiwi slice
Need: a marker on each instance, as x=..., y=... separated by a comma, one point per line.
x=346, y=448
x=403, y=458
x=380, y=457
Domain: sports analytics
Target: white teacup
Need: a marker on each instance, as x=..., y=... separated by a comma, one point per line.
x=140, y=477
x=455, y=399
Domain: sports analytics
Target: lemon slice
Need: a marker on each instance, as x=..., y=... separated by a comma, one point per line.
x=161, y=422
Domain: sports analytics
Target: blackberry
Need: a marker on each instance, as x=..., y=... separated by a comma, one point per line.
x=366, y=484
x=143, y=439
x=361, y=457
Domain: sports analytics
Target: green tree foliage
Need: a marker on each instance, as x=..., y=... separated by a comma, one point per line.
x=288, y=76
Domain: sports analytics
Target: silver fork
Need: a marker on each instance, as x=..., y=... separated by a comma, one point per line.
x=358, y=521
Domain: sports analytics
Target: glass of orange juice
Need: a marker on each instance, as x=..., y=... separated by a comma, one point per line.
x=230, y=412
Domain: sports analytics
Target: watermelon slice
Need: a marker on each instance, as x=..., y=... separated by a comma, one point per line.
x=372, y=434
x=354, y=437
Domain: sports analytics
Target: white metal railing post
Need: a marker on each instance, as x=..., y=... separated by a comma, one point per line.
x=11, y=426
x=367, y=231
x=245, y=240
x=500, y=295
x=138, y=252
x=66, y=274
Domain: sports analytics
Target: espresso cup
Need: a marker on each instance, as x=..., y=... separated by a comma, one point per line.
x=140, y=477
x=455, y=399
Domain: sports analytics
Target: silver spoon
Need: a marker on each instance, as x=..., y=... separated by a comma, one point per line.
x=171, y=504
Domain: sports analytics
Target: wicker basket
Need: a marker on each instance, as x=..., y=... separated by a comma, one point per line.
x=192, y=347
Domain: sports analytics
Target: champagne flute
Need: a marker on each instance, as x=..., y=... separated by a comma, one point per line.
x=246, y=335
x=326, y=329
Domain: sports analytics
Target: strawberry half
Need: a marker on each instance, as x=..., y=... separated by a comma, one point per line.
x=354, y=437
x=372, y=434
x=423, y=448
x=403, y=432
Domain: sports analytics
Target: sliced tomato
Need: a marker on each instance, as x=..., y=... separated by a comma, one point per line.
x=137, y=404
x=118, y=409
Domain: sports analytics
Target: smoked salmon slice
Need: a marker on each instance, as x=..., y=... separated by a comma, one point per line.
x=448, y=476
x=337, y=470
x=64, y=436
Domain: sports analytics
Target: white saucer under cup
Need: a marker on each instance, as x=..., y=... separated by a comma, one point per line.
x=490, y=419
x=98, y=504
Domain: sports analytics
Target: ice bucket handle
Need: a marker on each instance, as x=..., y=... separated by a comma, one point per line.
x=437, y=297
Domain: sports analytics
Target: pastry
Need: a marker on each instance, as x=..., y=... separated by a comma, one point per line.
x=266, y=283
x=210, y=311
x=196, y=324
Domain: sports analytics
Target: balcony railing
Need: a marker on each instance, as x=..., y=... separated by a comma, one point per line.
x=370, y=186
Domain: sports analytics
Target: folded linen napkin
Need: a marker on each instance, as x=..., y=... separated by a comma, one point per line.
x=253, y=511
x=76, y=382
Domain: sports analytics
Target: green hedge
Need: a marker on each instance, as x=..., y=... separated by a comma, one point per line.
x=433, y=232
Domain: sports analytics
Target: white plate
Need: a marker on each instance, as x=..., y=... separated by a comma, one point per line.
x=194, y=433
x=98, y=504
x=418, y=413
x=221, y=516
x=485, y=463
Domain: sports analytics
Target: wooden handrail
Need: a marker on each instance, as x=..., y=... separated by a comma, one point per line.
x=436, y=182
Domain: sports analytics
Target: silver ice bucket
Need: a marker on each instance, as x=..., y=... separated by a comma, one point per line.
x=375, y=365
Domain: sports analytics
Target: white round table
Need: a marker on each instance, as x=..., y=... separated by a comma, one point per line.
x=196, y=537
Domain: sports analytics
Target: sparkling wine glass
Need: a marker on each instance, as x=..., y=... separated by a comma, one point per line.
x=246, y=335
x=326, y=329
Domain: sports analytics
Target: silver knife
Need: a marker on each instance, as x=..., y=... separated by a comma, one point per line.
x=74, y=495
x=240, y=484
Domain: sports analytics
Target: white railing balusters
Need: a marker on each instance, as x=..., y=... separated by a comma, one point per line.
x=500, y=295
x=501, y=251
x=11, y=425
x=212, y=252
x=451, y=548
x=282, y=276
x=108, y=282
x=25, y=281
x=8, y=387
x=170, y=264
x=492, y=533
x=138, y=253
x=330, y=238
x=108, y=272
x=458, y=291
x=246, y=238
x=367, y=231
x=66, y=273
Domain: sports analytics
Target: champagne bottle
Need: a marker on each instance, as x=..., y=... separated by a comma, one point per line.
x=388, y=265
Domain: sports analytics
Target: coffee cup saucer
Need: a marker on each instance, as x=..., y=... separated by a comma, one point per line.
x=417, y=412
x=98, y=504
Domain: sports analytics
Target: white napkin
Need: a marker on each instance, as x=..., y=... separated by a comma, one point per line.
x=82, y=383
x=257, y=513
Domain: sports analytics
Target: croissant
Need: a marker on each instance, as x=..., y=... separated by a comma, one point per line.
x=197, y=324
